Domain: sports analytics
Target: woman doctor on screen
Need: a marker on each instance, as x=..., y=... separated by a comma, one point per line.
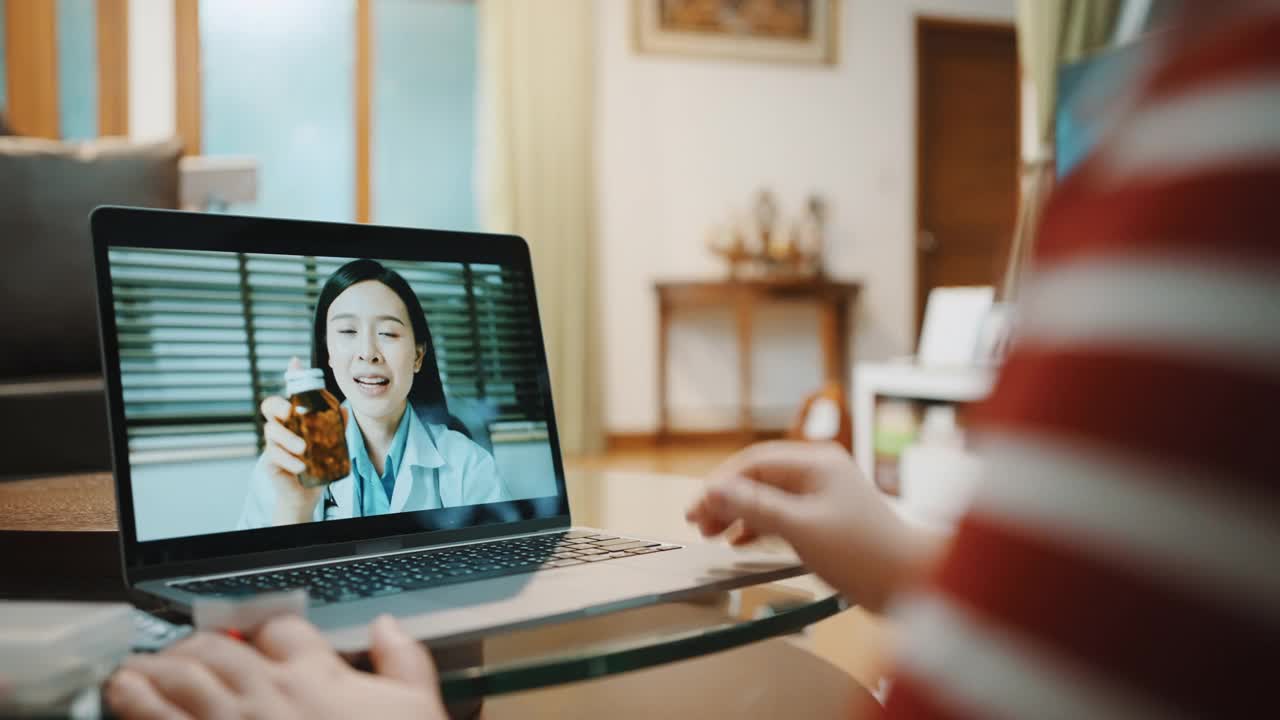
x=372, y=340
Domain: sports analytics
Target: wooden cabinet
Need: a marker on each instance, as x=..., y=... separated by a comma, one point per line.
x=835, y=299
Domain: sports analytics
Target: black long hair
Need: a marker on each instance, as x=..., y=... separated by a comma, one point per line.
x=426, y=395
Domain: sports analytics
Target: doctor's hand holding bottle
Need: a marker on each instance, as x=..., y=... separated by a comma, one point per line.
x=300, y=470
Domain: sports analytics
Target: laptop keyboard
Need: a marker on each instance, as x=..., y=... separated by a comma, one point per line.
x=375, y=577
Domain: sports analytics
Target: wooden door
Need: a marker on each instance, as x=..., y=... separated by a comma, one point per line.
x=967, y=153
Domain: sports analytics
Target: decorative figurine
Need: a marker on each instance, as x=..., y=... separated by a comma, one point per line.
x=758, y=246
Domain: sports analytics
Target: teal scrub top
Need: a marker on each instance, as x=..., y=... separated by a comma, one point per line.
x=373, y=492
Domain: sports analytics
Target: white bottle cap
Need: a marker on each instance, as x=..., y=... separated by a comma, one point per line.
x=302, y=380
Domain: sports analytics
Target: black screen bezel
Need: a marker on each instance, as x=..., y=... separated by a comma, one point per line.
x=119, y=227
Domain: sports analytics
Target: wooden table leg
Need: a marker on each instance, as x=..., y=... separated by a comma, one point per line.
x=664, y=331
x=843, y=352
x=744, y=311
x=832, y=330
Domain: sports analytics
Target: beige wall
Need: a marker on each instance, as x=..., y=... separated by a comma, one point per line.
x=681, y=143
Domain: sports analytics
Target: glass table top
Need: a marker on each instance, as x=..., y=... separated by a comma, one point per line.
x=646, y=505
x=628, y=640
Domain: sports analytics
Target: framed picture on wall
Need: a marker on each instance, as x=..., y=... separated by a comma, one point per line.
x=797, y=31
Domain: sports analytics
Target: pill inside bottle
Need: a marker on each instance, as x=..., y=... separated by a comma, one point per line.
x=315, y=415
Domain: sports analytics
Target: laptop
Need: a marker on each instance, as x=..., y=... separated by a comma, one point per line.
x=438, y=497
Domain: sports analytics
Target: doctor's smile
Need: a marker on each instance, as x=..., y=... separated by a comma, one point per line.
x=372, y=385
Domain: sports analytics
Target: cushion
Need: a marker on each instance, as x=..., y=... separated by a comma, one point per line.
x=48, y=315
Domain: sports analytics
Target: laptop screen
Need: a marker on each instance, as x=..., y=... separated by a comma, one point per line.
x=265, y=390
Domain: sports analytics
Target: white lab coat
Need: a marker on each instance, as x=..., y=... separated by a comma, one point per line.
x=440, y=468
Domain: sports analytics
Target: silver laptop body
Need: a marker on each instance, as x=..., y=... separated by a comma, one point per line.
x=166, y=277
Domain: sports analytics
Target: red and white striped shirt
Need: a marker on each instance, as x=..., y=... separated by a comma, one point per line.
x=1123, y=557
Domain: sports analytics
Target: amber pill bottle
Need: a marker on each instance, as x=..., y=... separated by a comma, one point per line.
x=316, y=416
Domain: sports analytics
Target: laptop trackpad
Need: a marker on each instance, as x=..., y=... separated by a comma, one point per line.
x=455, y=612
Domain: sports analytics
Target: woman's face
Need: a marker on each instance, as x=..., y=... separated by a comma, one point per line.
x=371, y=349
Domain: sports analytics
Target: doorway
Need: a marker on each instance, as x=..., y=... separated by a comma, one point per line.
x=967, y=122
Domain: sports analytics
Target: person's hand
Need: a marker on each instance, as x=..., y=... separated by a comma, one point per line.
x=281, y=462
x=814, y=497
x=289, y=671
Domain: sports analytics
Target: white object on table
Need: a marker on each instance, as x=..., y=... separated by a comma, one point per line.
x=953, y=320
x=51, y=651
x=248, y=613
x=936, y=483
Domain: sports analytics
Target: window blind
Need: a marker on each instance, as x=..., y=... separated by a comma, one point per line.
x=204, y=337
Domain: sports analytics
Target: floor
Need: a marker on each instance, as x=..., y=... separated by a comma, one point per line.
x=693, y=460
x=854, y=641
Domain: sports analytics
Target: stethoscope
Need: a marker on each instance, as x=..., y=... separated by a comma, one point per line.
x=358, y=495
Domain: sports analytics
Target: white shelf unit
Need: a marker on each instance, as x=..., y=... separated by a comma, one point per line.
x=909, y=381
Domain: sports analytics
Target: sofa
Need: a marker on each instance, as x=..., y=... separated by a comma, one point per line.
x=50, y=373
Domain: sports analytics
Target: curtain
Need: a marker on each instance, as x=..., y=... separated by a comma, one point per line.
x=537, y=181
x=1050, y=33
x=1053, y=32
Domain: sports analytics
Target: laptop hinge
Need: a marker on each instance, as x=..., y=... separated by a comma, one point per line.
x=378, y=547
